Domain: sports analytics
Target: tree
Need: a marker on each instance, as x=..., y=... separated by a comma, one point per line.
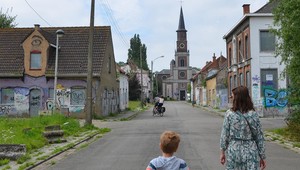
x=7, y=21
x=134, y=88
x=135, y=50
x=286, y=17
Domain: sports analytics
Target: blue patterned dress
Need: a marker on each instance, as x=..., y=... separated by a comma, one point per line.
x=242, y=151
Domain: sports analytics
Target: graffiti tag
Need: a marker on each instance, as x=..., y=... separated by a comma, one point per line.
x=274, y=98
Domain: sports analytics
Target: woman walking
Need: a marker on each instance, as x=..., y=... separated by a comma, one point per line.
x=242, y=137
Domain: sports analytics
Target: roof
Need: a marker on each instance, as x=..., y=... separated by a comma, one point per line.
x=164, y=71
x=268, y=7
x=73, y=50
x=181, y=26
x=264, y=11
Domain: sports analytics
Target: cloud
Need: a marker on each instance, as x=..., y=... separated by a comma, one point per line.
x=156, y=21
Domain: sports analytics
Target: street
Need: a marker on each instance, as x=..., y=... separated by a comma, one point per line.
x=132, y=144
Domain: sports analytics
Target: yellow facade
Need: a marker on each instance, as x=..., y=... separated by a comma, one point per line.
x=211, y=85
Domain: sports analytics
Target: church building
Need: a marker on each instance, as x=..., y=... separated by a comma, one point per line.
x=174, y=82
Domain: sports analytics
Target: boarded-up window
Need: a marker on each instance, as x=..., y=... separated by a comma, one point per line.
x=7, y=96
x=77, y=96
x=269, y=79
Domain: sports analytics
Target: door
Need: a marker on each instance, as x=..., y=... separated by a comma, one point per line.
x=34, y=102
x=182, y=94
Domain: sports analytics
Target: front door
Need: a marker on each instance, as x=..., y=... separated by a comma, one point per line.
x=182, y=94
x=34, y=102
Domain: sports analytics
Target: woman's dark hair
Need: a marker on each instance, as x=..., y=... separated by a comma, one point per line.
x=241, y=100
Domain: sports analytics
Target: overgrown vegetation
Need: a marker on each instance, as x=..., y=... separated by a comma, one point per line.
x=286, y=17
x=133, y=105
x=29, y=131
x=288, y=134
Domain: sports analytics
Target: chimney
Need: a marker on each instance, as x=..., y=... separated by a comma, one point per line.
x=246, y=9
x=214, y=57
x=36, y=27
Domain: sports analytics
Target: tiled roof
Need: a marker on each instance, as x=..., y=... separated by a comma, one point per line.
x=73, y=50
x=165, y=71
x=268, y=7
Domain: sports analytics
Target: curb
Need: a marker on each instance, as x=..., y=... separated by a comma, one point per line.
x=64, y=150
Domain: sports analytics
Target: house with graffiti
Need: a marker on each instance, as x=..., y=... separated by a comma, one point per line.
x=28, y=66
x=251, y=62
x=208, y=87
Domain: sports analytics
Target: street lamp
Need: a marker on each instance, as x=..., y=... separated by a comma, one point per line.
x=152, y=74
x=59, y=34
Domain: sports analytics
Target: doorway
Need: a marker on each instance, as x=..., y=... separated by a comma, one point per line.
x=34, y=102
x=182, y=94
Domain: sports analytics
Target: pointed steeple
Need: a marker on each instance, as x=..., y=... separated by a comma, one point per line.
x=181, y=26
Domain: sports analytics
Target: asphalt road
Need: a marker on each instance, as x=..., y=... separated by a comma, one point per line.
x=132, y=144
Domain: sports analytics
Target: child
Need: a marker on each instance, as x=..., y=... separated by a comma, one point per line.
x=169, y=142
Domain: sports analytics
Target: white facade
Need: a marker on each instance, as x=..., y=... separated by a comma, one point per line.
x=263, y=61
x=124, y=92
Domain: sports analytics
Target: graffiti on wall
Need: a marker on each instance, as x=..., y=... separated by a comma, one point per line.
x=273, y=98
x=256, y=91
x=21, y=99
x=4, y=110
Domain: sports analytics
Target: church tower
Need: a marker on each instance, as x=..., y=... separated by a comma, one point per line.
x=180, y=72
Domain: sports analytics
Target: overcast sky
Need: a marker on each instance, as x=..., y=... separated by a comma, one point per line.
x=156, y=21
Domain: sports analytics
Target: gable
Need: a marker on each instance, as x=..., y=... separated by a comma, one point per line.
x=72, y=56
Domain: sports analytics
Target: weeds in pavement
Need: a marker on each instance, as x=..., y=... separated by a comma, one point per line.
x=4, y=161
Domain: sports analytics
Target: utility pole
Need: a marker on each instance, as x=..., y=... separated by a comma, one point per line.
x=89, y=105
x=141, y=77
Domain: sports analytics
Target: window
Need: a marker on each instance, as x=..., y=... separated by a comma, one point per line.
x=248, y=80
x=7, y=96
x=235, y=81
x=230, y=59
x=246, y=47
x=181, y=62
x=240, y=54
x=182, y=74
x=35, y=60
x=241, y=79
x=267, y=41
x=231, y=84
x=78, y=96
x=269, y=79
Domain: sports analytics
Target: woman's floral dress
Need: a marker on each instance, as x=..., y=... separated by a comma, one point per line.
x=242, y=150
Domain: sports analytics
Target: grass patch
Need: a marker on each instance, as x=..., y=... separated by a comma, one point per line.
x=4, y=161
x=6, y=167
x=23, y=158
x=297, y=144
x=29, y=131
x=134, y=105
x=287, y=133
x=28, y=164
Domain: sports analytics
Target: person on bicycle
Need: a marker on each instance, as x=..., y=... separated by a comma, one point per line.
x=161, y=102
x=156, y=101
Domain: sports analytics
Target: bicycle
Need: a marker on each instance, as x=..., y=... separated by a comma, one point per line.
x=158, y=110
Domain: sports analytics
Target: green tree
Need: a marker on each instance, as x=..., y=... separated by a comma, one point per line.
x=286, y=17
x=7, y=21
x=136, y=47
x=134, y=88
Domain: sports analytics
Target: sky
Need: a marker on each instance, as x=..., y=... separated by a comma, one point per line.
x=156, y=22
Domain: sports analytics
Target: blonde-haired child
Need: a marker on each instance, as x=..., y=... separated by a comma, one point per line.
x=169, y=142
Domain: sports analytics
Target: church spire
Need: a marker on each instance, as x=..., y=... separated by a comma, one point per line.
x=181, y=26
